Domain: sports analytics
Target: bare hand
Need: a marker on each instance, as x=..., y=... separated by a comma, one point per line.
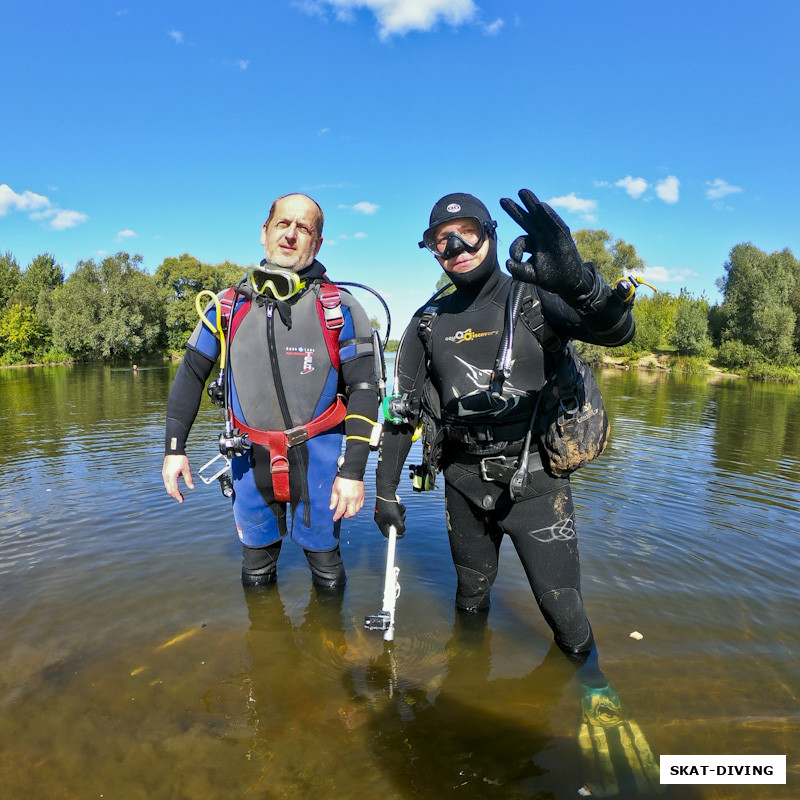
x=347, y=498
x=174, y=467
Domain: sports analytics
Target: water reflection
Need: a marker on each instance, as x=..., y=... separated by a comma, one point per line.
x=688, y=530
x=476, y=736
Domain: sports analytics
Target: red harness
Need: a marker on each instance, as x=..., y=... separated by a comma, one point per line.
x=329, y=308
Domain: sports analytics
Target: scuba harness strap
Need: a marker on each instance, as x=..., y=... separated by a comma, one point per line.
x=329, y=308
x=523, y=303
x=234, y=305
x=278, y=443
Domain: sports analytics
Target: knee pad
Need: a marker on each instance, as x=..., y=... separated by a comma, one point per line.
x=327, y=568
x=564, y=612
x=474, y=589
x=260, y=564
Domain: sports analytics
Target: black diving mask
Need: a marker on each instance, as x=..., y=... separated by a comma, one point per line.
x=452, y=243
x=276, y=282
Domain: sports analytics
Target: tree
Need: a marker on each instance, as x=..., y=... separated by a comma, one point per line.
x=109, y=310
x=655, y=323
x=612, y=257
x=757, y=310
x=10, y=277
x=21, y=334
x=181, y=279
x=43, y=274
x=690, y=333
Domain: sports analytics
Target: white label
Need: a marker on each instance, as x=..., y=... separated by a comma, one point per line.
x=723, y=769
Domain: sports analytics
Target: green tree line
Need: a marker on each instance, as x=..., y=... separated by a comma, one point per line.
x=753, y=331
x=114, y=309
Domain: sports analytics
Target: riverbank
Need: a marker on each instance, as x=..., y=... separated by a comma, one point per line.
x=667, y=362
x=661, y=361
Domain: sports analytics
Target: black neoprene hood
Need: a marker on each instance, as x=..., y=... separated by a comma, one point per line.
x=457, y=206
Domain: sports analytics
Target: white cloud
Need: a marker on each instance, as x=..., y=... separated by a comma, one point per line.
x=575, y=205
x=243, y=63
x=27, y=201
x=359, y=235
x=661, y=275
x=126, y=234
x=323, y=131
x=39, y=207
x=719, y=188
x=493, y=28
x=668, y=190
x=397, y=17
x=177, y=36
x=635, y=187
x=363, y=207
x=61, y=219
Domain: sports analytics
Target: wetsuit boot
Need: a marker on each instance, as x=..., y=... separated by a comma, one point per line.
x=327, y=568
x=260, y=564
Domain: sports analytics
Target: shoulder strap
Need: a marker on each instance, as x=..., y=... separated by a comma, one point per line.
x=534, y=321
x=227, y=303
x=329, y=307
x=428, y=319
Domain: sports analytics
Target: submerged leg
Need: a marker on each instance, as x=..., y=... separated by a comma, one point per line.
x=615, y=752
x=327, y=568
x=260, y=564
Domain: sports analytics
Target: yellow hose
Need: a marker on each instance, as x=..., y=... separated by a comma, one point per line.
x=218, y=332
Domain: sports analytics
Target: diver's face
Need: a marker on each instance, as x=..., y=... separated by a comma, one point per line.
x=290, y=238
x=469, y=230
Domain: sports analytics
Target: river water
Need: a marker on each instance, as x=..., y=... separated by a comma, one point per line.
x=135, y=666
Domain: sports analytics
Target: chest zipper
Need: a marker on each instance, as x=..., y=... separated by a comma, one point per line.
x=298, y=462
x=276, y=368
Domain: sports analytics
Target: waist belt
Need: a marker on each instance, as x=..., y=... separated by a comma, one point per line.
x=501, y=469
x=278, y=443
x=486, y=439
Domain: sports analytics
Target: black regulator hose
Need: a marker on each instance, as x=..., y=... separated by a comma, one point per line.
x=502, y=364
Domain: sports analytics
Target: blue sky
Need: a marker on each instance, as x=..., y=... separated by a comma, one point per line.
x=163, y=128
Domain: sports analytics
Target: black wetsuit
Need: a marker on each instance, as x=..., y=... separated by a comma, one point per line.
x=456, y=363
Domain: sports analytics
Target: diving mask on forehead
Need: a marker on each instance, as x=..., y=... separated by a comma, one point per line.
x=447, y=245
x=276, y=282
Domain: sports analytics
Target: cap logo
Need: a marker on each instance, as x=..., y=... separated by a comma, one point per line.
x=453, y=208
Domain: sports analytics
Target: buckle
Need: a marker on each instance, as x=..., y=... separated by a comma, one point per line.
x=279, y=465
x=296, y=435
x=501, y=462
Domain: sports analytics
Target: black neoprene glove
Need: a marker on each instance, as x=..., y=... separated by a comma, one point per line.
x=555, y=264
x=390, y=511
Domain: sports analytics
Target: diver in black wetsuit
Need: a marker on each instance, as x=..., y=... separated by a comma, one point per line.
x=444, y=373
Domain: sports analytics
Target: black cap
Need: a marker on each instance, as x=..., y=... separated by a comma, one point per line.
x=456, y=206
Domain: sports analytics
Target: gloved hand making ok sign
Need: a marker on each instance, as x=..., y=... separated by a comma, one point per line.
x=555, y=264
